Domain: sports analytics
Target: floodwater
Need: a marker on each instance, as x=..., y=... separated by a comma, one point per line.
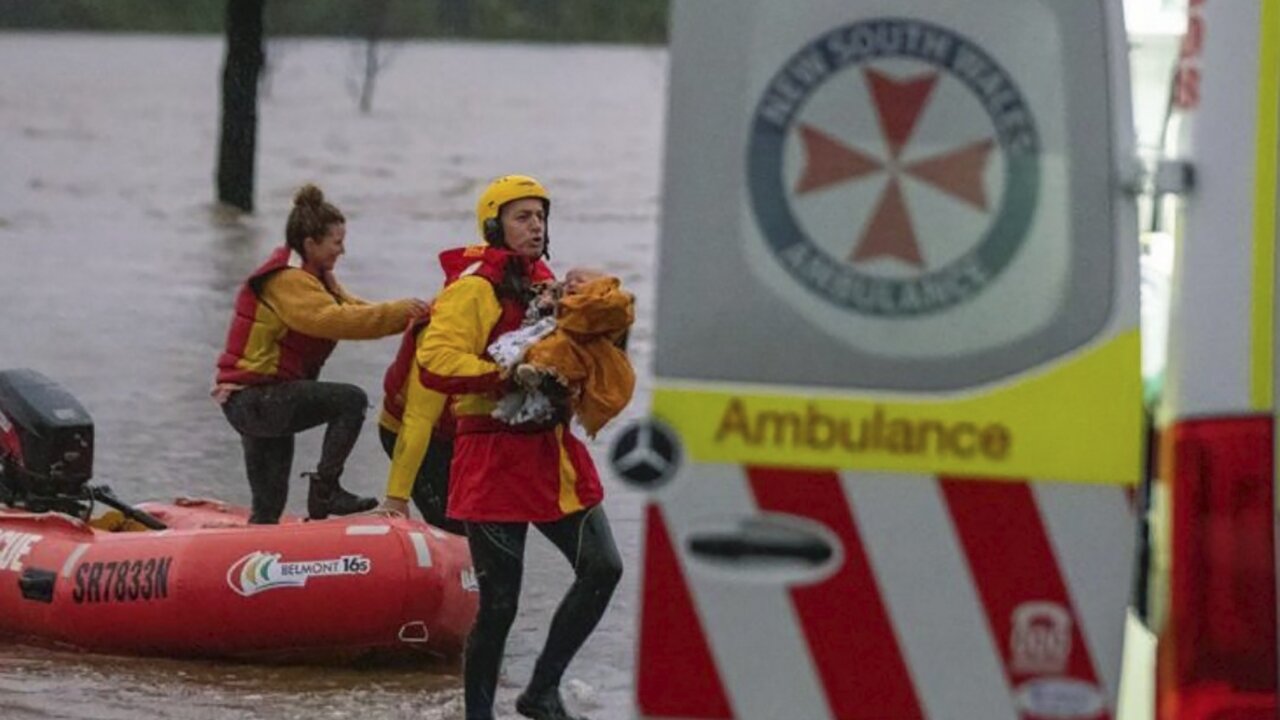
x=117, y=274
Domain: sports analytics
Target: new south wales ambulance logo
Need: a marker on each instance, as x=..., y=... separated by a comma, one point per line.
x=893, y=167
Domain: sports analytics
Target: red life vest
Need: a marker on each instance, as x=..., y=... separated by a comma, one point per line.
x=260, y=348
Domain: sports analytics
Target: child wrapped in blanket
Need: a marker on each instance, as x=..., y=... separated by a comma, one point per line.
x=570, y=351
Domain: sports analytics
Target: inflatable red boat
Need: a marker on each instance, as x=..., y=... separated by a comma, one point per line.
x=191, y=578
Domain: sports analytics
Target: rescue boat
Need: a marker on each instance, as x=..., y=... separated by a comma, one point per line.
x=341, y=590
x=191, y=578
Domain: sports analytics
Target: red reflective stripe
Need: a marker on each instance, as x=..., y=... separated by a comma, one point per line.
x=845, y=623
x=459, y=385
x=1014, y=567
x=676, y=675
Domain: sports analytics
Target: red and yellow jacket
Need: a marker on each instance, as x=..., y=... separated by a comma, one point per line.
x=286, y=322
x=500, y=472
x=410, y=408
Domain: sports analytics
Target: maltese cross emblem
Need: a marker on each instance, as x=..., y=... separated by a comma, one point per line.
x=893, y=167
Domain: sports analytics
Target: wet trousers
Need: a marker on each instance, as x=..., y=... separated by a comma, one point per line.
x=268, y=416
x=430, y=492
x=497, y=552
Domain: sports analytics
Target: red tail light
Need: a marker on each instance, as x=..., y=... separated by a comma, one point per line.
x=1217, y=652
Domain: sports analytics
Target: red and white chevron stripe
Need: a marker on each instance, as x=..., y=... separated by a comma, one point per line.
x=952, y=599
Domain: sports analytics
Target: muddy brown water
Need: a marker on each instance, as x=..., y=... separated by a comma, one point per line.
x=117, y=275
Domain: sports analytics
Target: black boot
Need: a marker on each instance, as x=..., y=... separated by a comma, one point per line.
x=267, y=463
x=326, y=497
x=544, y=705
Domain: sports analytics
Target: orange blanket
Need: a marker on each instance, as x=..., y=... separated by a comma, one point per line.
x=583, y=351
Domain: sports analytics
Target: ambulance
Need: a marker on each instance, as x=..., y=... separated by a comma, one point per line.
x=1210, y=586
x=897, y=423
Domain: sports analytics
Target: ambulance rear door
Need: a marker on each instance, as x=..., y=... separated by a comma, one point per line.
x=898, y=405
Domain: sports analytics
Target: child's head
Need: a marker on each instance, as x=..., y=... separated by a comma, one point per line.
x=577, y=277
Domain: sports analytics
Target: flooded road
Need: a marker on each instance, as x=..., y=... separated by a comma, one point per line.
x=117, y=275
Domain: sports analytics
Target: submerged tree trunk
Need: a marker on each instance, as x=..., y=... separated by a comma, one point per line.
x=377, y=14
x=371, y=67
x=240, y=103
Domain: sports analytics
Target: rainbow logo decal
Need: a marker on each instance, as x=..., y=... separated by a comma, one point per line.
x=260, y=571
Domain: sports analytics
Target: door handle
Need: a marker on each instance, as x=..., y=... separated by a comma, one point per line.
x=738, y=547
x=761, y=539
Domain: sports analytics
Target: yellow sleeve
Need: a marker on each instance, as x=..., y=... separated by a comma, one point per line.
x=450, y=350
x=422, y=410
x=303, y=303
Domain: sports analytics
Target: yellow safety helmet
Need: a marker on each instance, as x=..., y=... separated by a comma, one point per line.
x=499, y=193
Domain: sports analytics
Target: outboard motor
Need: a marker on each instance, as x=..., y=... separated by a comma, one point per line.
x=46, y=444
x=46, y=451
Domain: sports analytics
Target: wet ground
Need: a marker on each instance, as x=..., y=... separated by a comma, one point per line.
x=117, y=274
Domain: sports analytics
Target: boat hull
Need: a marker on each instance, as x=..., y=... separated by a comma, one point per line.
x=211, y=586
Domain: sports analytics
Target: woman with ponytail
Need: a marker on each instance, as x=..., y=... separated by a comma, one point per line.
x=288, y=316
